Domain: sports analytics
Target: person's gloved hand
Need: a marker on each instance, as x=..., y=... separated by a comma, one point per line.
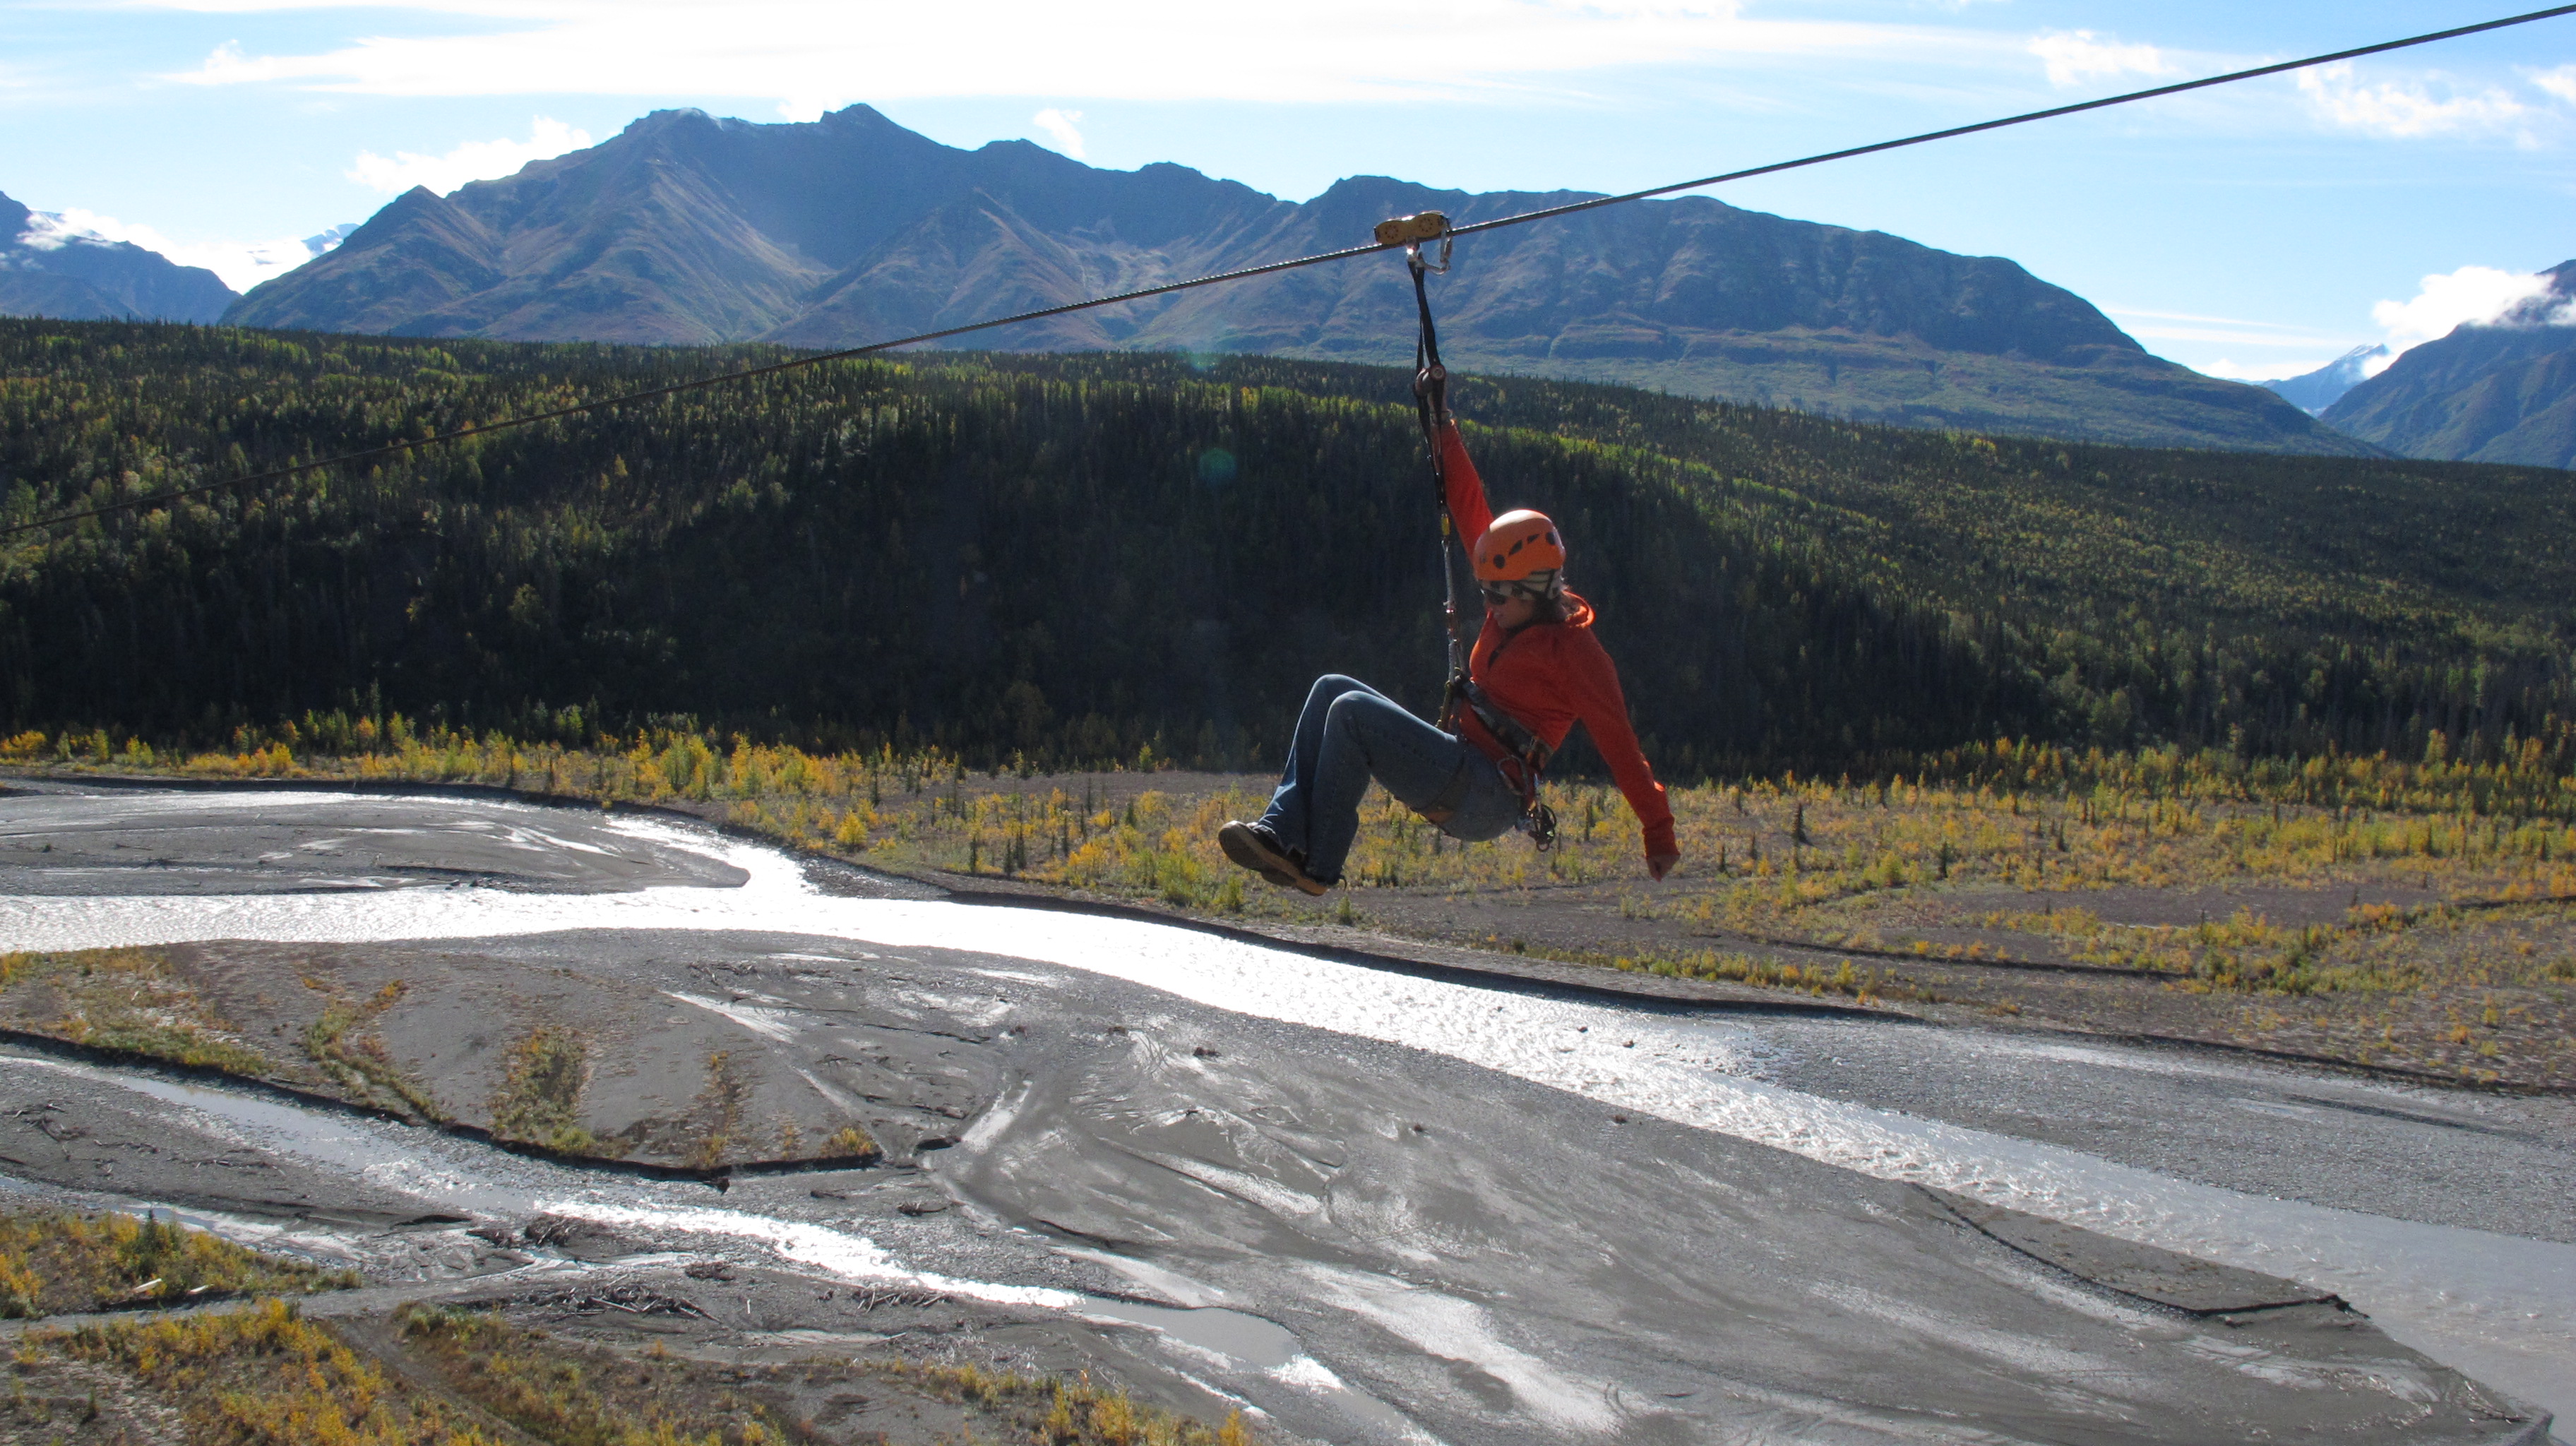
x=1658, y=865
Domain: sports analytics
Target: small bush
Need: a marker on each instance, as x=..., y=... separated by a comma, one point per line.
x=52, y=1262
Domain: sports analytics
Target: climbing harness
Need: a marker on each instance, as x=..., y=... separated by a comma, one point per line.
x=1529, y=752
x=1462, y=694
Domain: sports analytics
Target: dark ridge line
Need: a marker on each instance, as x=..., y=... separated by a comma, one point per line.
x=120, y=1314
x=325, y=1304
x=480, y=878
x=388, y=787
x=718, y=1177
x=2469, y=905
x=2342, y=1066
x=116, y=1312
x=1939, y=1198
x=2412, y=1118
x=1896, y=956
x=1502, y=981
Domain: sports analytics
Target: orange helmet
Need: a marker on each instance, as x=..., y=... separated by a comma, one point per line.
x=1517, y=545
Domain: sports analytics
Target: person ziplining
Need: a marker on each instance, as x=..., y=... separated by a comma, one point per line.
x=1537, y=670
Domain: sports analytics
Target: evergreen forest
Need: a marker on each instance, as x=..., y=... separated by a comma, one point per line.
x=1072, y=558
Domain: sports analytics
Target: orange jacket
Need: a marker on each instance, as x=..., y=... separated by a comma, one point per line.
x=1551, y=676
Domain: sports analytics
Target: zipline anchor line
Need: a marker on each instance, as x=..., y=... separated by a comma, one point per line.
x=2025, y=118
x=1378, y=243
x=1431, y=404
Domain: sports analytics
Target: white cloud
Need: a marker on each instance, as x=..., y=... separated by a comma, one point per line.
x=241, y=264
x=807, y=106
x=2076, y=56
x=2109, y=309
x=811, y=54
x=2560, y=82
x=471, y=161
x=2270, y=371
x=2230, y=336
x=2230, y=331
x=1061, y=124
x=2406, y=109
x=2470, y=295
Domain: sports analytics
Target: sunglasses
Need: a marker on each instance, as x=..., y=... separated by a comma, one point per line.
x=1499, y=593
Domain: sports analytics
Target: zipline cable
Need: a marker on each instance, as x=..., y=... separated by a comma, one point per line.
x=2051, y=113
x=1270, y=268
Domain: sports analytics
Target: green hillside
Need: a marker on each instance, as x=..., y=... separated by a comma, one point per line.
x=1071, y=556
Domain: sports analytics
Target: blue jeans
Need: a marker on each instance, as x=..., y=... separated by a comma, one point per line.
x=1350, y=733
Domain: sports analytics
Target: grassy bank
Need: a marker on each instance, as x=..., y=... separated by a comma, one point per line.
x=58, y=1262
x=266, y=1374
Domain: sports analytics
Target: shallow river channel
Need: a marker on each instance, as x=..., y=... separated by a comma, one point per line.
x=1373, y=1206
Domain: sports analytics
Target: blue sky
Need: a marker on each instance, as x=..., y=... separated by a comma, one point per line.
x=2255, y=231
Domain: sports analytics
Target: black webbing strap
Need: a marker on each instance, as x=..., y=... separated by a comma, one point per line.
x=1461, y=695
x=1431, y=404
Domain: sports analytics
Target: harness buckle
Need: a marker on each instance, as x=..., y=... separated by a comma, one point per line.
x=1540, y=824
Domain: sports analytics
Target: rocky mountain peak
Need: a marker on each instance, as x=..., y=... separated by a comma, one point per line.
x=684, y=228
x=47, y=270
x=2500, y=391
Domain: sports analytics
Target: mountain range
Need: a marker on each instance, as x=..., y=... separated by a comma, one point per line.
x=689, y=229
x=2500, y=391
x=2313, y=392
x=46, y=270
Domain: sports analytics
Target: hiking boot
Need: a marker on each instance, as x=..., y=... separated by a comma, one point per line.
x=1258, y=849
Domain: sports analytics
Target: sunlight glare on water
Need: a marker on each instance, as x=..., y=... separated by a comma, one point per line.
x=2501, y=1307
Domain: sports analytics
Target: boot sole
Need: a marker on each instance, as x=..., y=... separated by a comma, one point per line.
x=1246, y=849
